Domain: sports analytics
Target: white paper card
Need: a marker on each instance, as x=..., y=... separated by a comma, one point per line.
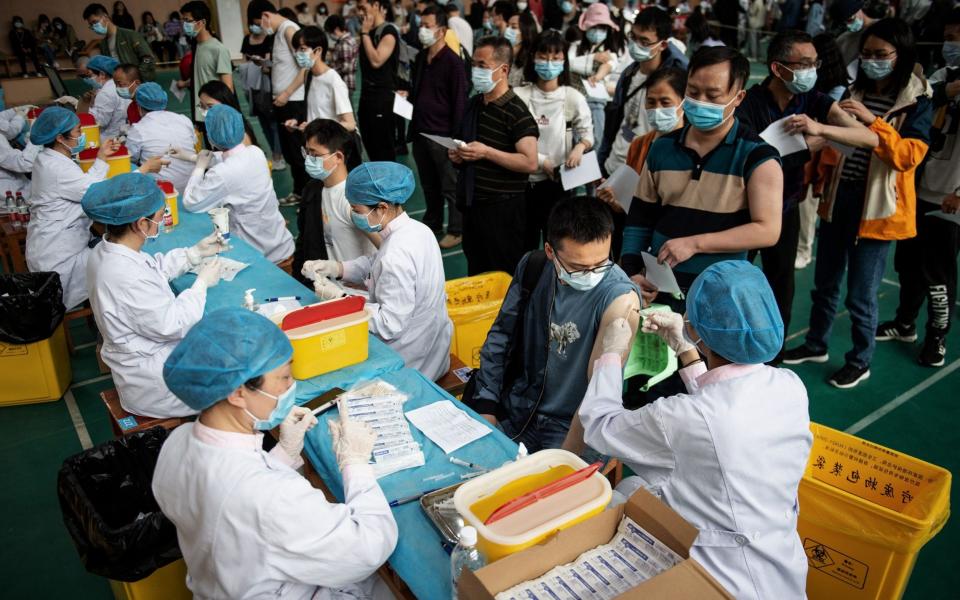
x=402, y=107
x=449, y=143
x=954, y=218
x=587, y=172
x=228, y=267
x=447, y=426
x=176, y=91
x=660, y=275
x=598, y=91
x=785, y=143
x=623, y=182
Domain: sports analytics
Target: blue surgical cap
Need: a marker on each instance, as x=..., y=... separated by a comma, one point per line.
x=732, y=307
x=374, y=182
x=53, y=121
x=151, y=96
x=122, y=199
x=225, y=349
x=104, y=64
x=224, y=126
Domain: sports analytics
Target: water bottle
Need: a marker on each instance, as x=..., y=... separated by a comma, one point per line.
x=465, y=555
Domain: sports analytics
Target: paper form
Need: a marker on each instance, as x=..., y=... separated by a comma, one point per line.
x=659, y=275
x=623, y=182
x=785, y=143
x=587, y=172
x=402, y=107
x=447, y=426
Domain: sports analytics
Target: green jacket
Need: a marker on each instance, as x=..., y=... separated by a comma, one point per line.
x=133, y=49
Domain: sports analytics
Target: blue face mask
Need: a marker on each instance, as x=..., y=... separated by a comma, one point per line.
x=876, y=69
x=190, y=28
x=951, y=53
x=363, y=222
x=314, y=167
x=803, y=80
x=705, y=116
x=639, y=53
x=488, y=25
x=596, y=35
x=512, y=35
x=92, y=82
x=256, y=30
x=81, y=144
x=566, y=7
x=124, y=92
x=99, y=28
x=582, y=282
x=482, y=80
x=855, y=25
x=304, y=60
x=285, y=402
x=416, y=20
x=548, y=70
x=663, y=119
x=154, y=237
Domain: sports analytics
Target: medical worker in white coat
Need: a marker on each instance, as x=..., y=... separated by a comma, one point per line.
x=15, y=163
x=58, y=235
x=240, y=179
x=249, y=525
x=405, y=279
x=157, y=130
x=137, y=313
x=729, y=454
x=107, y=107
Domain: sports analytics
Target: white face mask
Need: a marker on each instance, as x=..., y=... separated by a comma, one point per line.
x=427, y=37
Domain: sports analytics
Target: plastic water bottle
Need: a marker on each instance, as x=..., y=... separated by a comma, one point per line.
x=465, y=556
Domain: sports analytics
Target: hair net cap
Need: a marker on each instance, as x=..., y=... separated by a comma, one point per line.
x=104, y=64
x=225, y=349
x=53, y=121
x=151, y=96
x=374, y=182
x=122, y=199
x=224, y=126
x=732, y=307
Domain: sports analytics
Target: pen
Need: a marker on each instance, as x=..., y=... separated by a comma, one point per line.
x=408, y=499
x=279, y=298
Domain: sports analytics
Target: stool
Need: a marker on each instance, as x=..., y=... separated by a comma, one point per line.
x=449, y=381
x=13, y=243
x=72, y=315
x=102, y=366
x=287, y=265
x=124, y=423
x=613, y=471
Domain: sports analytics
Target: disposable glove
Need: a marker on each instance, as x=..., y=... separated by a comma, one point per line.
x=181, y=154
x=326, y=289
x=209, y=273
x=67, y=100
x=314, y=269
x=352, y=441
x=203, y=160
x=208, y=246
x=293, y=428
x=668, y=326
x=617, y=337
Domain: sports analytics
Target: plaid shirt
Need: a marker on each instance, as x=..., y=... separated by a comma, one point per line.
x=344, y=60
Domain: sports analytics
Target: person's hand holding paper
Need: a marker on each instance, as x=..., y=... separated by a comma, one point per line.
x=659, y=274
x=678, y=250
x=586, y=172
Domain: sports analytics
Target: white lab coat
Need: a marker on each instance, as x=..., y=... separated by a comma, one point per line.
x=408, y=300
x=142, y=321
x=728, y=456
x=110, y=111
x=154, y=134
x=59, y=230
x=14, y=166
x=250, y=526
x=242, y=181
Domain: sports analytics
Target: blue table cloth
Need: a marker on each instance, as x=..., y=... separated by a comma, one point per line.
x=419, y=559
x=269, y=281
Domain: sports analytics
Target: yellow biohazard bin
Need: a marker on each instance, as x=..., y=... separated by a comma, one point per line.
x=166, y=583
x=865, y=512
x=329, y=345
x=473, y=303
x=37, y=372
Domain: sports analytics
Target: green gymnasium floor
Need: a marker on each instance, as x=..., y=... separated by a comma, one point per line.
x=903, y=406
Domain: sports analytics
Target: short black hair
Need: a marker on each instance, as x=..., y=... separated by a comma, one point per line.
x=311, y=37
x=438, y=12
x=583, y=219
x=676, y=78
x=782, y=44
x=897, y=33
x=198, y=10
x=715, y=55
x=451, y=8
x=330, y=134
x=334, y=22
x=287, y=13
x=219, y=91
x=505, y=9
x=256, y=8
x=549, y=41
x=94, y=10
x=130, y=70
x=655, y=19
x=833, y=70
x=502, y=49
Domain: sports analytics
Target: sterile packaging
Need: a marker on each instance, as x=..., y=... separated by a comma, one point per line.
x=640, y=536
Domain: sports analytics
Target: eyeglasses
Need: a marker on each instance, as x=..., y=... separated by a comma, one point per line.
x=799, y=66
x=606, y=266
x=305, y=153
x=879, y=55
x=645, y=43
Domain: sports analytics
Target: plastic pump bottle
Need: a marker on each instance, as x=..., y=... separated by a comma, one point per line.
x=465, y=555
x=248, y=302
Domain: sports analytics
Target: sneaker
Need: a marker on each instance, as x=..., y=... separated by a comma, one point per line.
x=849, y=376
x=449, y=241
x=291, y=200
x=891, y=330
x=279, y=165
x=802, y=262
x=802, y=354
x=934, y=352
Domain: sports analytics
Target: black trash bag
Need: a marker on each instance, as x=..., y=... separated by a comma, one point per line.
x=109, y=508
x=31, y=307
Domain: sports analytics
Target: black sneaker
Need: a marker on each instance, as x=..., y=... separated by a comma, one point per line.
x=802, y=354
x=849, y=376
x=891, y=330
x=934, y=352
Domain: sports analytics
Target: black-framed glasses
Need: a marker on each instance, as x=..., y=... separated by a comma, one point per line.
x=606, y=266
x=800, y=66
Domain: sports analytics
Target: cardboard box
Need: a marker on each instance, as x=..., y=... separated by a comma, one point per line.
x=686, y=581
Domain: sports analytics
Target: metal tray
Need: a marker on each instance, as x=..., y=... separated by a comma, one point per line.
x=446, y=520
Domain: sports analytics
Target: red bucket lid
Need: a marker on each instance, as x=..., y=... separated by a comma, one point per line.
x=166, y=186
x=86, y=119
x=121, y=152
x=33, y=113
x=89, y=154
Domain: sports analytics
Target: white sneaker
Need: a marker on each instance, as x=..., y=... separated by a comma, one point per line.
x=291, y=200
x=801, y=262
x=279, y=165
